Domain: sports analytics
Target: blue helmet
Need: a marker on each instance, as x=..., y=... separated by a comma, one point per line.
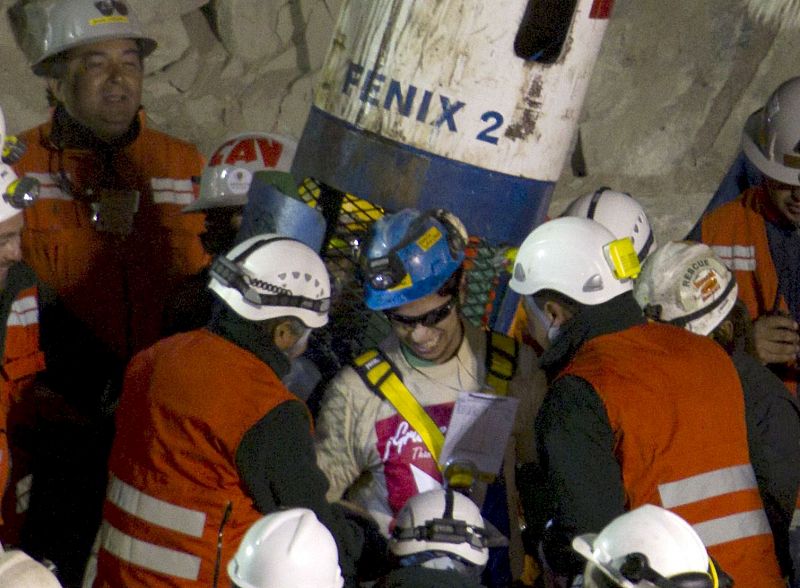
x=411, y=254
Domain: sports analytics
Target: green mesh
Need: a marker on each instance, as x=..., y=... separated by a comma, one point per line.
x=353, y=328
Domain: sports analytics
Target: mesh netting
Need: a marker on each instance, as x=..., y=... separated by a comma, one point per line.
x=354, y=328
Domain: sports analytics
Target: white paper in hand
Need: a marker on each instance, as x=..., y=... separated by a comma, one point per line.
x=479, y=430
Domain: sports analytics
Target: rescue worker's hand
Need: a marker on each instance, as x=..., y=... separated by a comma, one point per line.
x=776, y=338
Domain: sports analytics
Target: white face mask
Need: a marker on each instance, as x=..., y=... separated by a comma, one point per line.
x=552, y=330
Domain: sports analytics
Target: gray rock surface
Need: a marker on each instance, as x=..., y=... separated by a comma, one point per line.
x=673, y=85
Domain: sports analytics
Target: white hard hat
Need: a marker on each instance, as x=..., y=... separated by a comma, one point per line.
x=645, y=541
x=54, y=26
x=771, y=135
x=429, y=525
x=286, y=549
x=686, y=284
x=270, y=276
x=620, y=213
x=15, y=194
x=18, y=570
x=576, y=257
x=8, y=184
x=229, y=171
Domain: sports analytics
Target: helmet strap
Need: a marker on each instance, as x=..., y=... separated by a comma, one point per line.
x=231, y=275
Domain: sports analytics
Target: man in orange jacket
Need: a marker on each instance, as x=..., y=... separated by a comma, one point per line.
x=107, y=232
x=46, y=359
x=756, y=234
x=636, y=412
x=208, y=438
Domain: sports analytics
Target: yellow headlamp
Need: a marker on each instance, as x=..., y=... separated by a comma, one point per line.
x=623, y=259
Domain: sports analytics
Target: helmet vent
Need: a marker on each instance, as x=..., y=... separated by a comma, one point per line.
x=593, y=284
x=519, y=273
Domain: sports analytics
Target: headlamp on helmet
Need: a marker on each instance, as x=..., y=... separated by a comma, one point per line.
x=410, y=255
x=270, y=276
x=648, y=546
x=623, y=258
x=440, y=524
x=22, y=193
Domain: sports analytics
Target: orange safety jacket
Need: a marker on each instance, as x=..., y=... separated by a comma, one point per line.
x=175, y=492
x=115, y=284
x=676, y=407
x=22, y=360
x=738, y=235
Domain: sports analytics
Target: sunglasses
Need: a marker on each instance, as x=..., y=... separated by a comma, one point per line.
x=429, y=319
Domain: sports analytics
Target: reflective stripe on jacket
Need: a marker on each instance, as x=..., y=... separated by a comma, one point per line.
x=675, y=405
x=115, y=284
x=175, y=491
x=22, y=360
x=738, y=235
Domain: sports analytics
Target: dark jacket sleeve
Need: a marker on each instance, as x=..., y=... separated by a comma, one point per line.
x=584, y=480
x=773, y=433
x=80, y=368
x=278, y=466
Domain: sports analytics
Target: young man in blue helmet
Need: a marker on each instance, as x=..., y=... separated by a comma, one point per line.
x=368, y=449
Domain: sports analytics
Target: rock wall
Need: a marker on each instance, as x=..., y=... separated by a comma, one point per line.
x=662, y=119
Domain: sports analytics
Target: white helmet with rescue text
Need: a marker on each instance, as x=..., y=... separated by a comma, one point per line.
x=285, y=549
x=686, y=284
x=648, y=546
x=576, y=257
x=270, y=276
x=620, y=213
x=54, y=26
x=19, y=570
x=440, y=528
x=771, y=135
x=229, y=171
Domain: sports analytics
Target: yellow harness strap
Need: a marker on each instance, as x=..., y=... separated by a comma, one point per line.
x=501, y=361
x=382, y=377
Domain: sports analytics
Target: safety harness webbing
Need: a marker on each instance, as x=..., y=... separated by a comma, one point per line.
x=383, y=378
x=501, y=361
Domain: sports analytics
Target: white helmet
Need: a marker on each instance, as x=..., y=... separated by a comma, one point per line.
x=15, y=194
x=440, y=523
x=18, y=570
x=646, y=545
x=771, y=135
x=53, y=26
x=286, y=549
x=686, y=284
x=270, y=276
x=227, y=175
x=620, y=213
x=577, y=257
